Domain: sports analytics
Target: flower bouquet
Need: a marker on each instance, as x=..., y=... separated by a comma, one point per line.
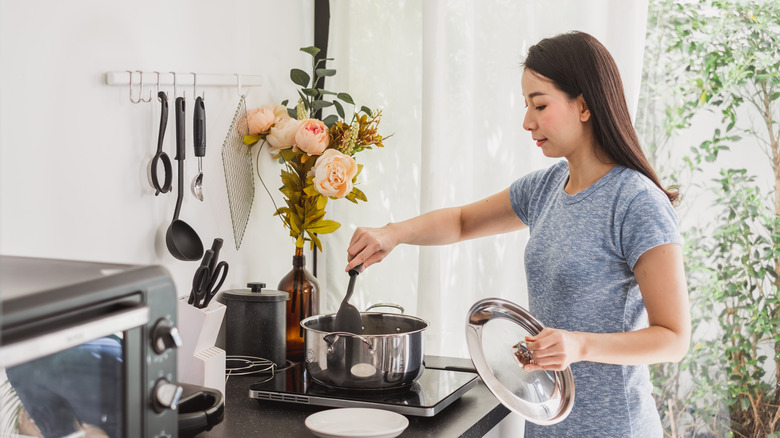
x=318, y=154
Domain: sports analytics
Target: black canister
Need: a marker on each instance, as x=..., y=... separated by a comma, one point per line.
x=255, y=323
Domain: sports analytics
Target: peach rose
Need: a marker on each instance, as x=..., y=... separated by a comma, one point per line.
x=280, y=112
x=260, y=120
x=312, y=137
x=333, y=173
x=282, y=134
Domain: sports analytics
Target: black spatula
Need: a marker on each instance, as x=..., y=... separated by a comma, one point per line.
x=348, y=317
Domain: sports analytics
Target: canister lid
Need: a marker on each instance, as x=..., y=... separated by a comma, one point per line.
x=493, y=331
x=255, y=293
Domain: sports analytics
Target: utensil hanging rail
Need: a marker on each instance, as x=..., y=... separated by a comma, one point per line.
x=183, y=79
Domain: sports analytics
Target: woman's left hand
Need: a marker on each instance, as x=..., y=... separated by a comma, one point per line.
x=554, y=349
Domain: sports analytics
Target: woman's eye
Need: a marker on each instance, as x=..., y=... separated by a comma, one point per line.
x=541, y=107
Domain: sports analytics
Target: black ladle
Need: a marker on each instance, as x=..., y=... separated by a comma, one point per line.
x=183, y=242
x=160, y=156
x=348, y=317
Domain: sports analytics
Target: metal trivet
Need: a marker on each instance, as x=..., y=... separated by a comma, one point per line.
x=239, y=174
x=247, y=365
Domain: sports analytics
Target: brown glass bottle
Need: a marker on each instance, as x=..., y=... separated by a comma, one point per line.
x=304, y=301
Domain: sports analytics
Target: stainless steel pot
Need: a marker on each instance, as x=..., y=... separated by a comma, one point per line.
x=389, y=353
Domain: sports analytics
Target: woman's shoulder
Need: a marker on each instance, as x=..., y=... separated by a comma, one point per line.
x=633, y=183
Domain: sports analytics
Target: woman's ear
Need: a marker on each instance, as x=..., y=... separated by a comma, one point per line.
x=583, y=108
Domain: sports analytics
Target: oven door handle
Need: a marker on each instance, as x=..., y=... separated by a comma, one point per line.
x=62, y=339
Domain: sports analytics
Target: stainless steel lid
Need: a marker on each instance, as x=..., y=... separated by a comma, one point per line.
x=493, y=330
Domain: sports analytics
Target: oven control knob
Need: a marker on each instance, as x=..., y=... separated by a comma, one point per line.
x=166, y=395
x=165, y=336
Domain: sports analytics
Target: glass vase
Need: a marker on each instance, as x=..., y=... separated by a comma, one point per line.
x=304, y=292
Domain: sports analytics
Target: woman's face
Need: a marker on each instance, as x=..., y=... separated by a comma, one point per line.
x=557, y=124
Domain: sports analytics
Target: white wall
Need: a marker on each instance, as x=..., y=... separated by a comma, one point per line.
x=74, y=151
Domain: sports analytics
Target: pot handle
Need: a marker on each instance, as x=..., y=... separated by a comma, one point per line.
x=394, y=306
x=334, y=336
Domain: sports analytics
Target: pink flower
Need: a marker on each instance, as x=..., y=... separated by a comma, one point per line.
x=260, y=120
x=312, y=137
x=333, y=173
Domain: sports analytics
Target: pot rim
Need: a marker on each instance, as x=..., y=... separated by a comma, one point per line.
x=315, y=317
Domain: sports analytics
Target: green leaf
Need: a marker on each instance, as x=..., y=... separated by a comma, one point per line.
x=359, y=194
x=295, y=226
x=325, y=72
x=300, y=77
x=282, y=211
x=346, y=98
x=322, y=60
x=311, y=92
x=287, y=154
x=339, y=108
x=311, y=50
x=311, y=191
x=305, y=102
x=322, y=201
x=330, y=120
x=365, y=109
x=251, y=139
x=319, y=104
x=324, y=226
x=315, y=241
x=317, y=216
x=289, y=192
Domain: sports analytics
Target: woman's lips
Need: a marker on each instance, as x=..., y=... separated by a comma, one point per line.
x=540, y=142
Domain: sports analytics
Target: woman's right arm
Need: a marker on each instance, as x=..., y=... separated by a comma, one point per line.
x=492, y=215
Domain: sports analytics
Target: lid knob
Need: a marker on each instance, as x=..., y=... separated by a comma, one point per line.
x=256, y=287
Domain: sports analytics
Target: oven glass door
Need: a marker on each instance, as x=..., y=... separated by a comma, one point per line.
x=77, y=391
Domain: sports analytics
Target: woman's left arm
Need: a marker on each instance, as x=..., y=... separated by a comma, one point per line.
x=661, y=278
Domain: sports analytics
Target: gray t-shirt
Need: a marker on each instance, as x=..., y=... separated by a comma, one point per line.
x=579, y=263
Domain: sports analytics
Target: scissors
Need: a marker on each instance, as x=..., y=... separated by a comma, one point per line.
x=207, y=280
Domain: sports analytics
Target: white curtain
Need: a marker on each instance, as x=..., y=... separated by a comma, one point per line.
x=447, y=75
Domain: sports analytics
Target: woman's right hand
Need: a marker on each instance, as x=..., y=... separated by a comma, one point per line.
x=370, y=245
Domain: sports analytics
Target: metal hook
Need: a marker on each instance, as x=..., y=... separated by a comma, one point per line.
x=141, y=90
x=238, y=83
x=157, y=85
x=195, y=86
x=131, y=89
x=174, y=84
x=158, y=88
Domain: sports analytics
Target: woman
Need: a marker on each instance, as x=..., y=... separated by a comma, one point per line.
x=604, y=259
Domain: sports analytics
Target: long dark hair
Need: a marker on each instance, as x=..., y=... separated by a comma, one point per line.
x=578, y=64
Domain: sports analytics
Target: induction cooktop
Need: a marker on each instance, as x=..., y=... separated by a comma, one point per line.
x=436, y=389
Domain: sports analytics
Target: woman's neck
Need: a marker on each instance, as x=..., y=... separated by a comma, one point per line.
x=585, y=169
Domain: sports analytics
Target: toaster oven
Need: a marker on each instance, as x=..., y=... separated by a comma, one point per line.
x=87, y=349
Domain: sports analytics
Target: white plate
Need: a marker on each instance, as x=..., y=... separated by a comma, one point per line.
x=356, y=423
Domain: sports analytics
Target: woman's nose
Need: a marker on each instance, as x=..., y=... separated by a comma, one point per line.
x=528, y=123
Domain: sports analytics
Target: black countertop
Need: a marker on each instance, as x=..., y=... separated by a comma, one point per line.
x=473, y=415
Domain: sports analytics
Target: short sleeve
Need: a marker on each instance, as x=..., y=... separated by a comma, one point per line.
x=650, y=221
x=519, y=195
x=526, y=192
